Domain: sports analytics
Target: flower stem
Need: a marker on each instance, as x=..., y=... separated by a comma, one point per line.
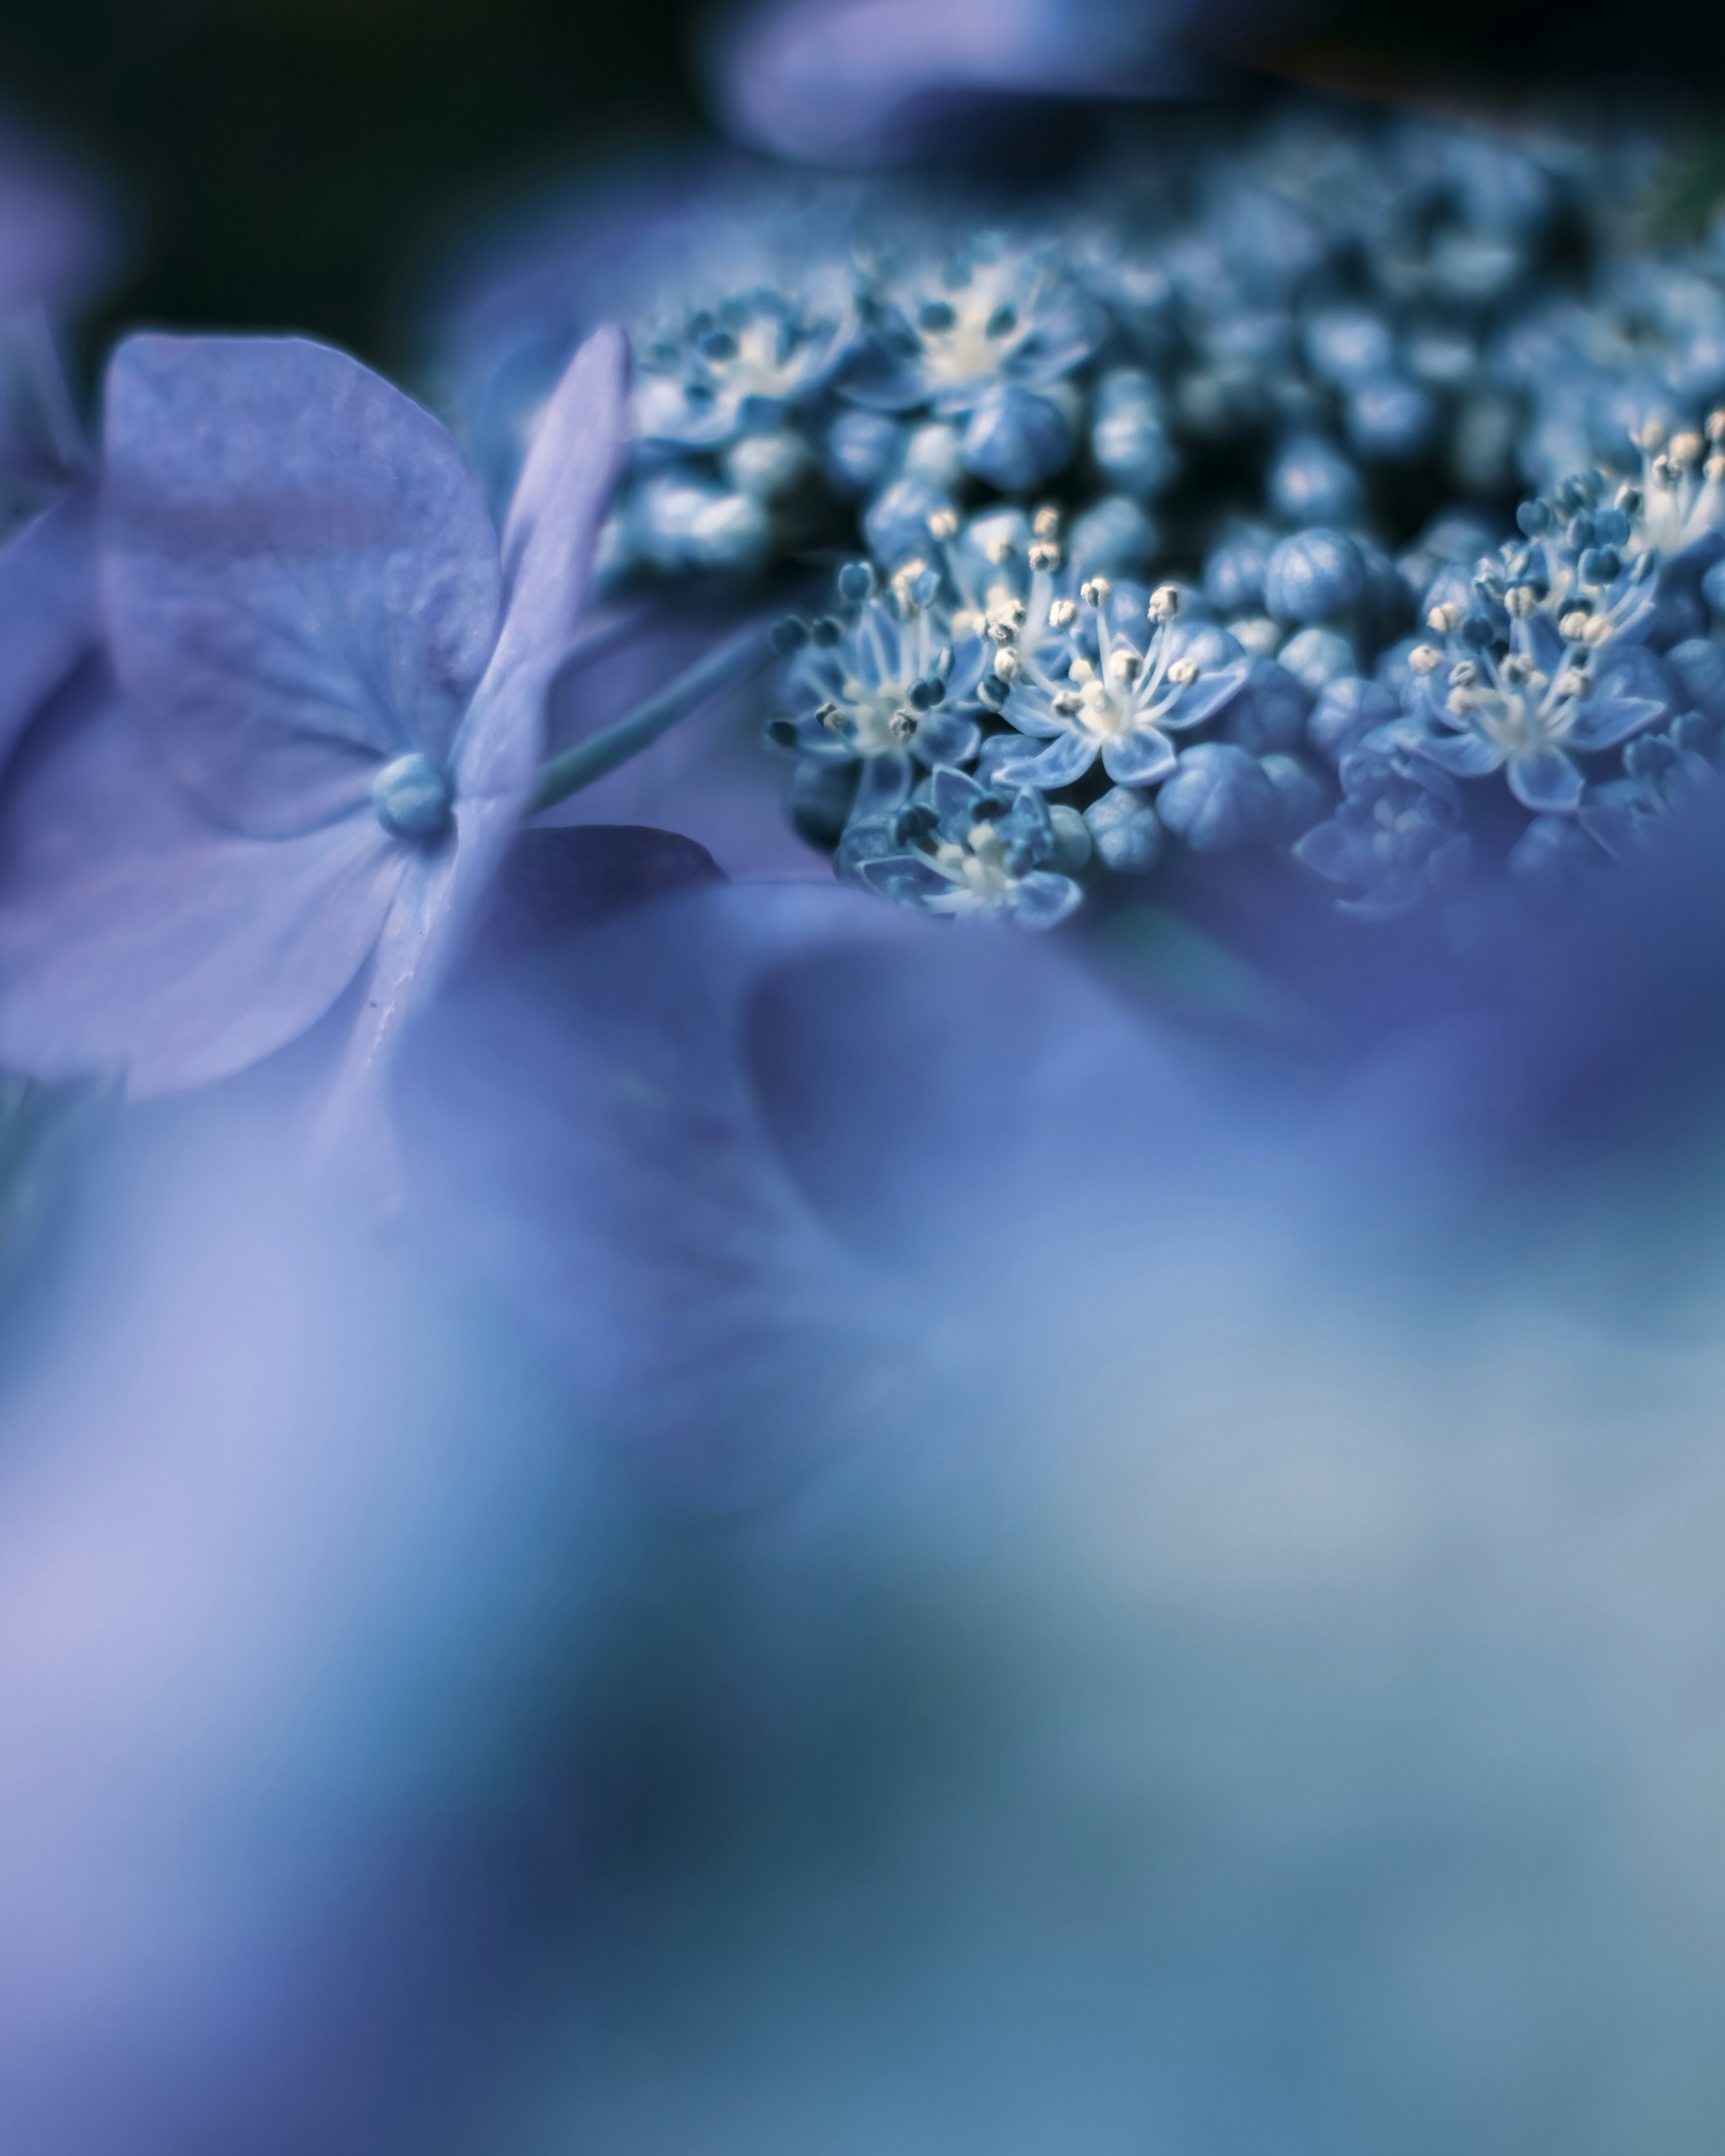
x=724, y=667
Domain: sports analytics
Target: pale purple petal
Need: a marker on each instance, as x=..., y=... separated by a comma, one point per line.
x=133, y=939
x=301, y=575
x=548, y=541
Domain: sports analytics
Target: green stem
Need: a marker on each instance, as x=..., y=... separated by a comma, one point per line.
x=724, y=667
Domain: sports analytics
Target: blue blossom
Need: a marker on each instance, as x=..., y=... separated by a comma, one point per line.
x=1397, y=836
x=1661, y=772
x=331, y=679
x=1544, y=666
x=945, y=332
x=973, y=850
x=1125, y=704
x=738, y=365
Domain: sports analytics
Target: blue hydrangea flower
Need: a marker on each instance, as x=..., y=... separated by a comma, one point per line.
x=1661, y=772
x=884, y=689
x=1544, y=664
x=1125, y=704
x=739, y=364
x=1397, y=835
x=977, y=335
x=331, y=679
x=971, y=849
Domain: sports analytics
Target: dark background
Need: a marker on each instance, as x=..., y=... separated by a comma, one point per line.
x=294, y=164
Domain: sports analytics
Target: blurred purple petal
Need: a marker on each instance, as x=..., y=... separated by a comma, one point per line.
x=299, y=572
x=55, y=229
x=49, y=618
x=710, y=1152
x=552, y=882
x=276, y=1536
x=858, y=82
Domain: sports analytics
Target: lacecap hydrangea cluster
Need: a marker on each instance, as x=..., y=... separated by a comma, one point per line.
x=1351, y=490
